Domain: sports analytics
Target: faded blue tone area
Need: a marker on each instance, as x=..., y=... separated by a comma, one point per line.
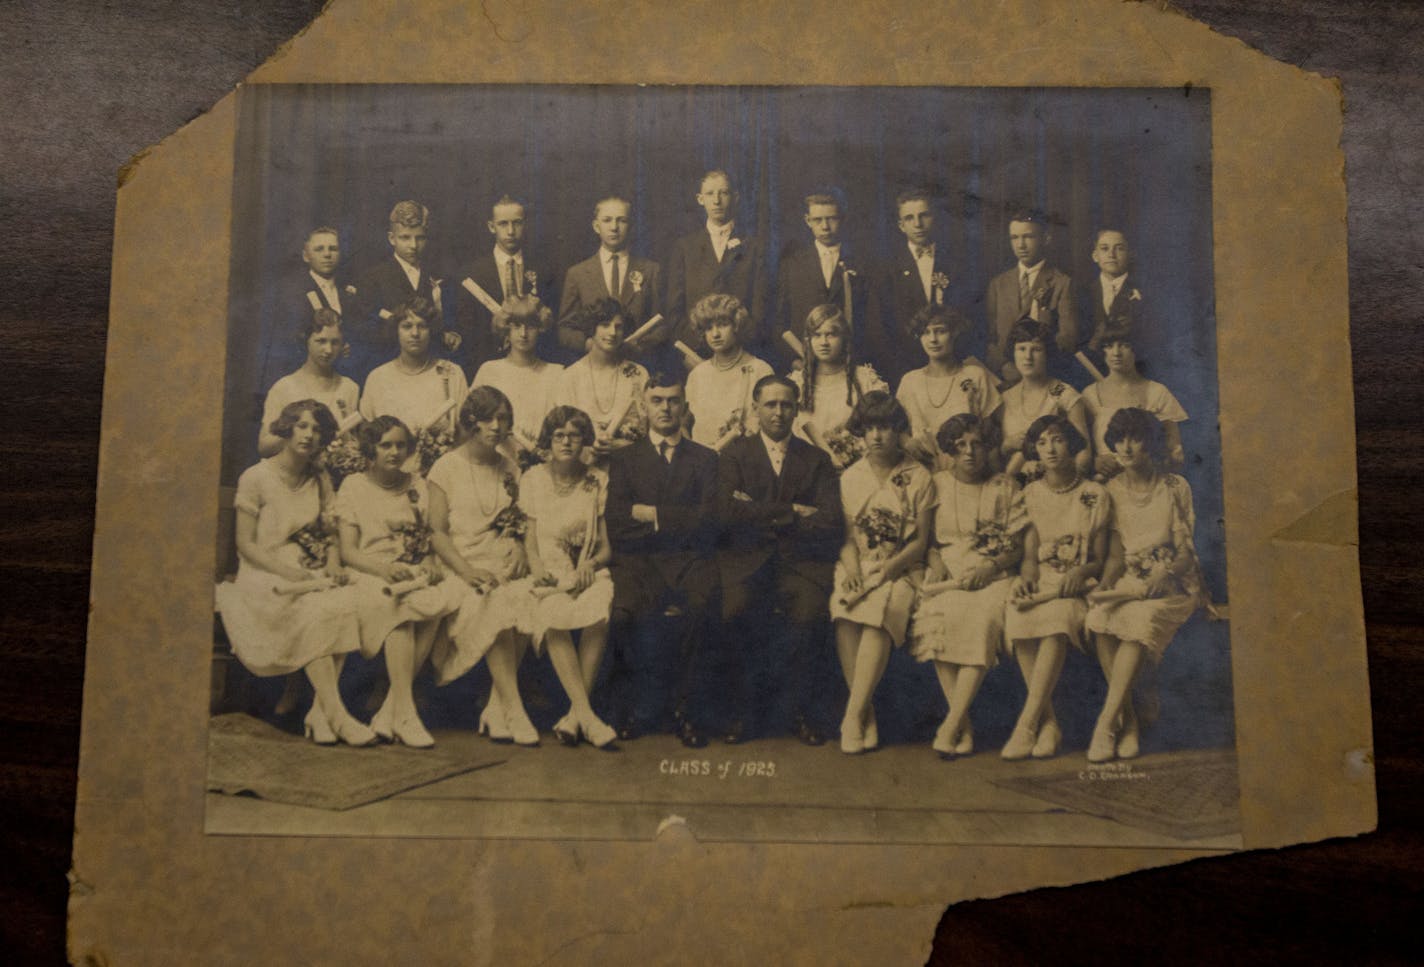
x=1134, y=159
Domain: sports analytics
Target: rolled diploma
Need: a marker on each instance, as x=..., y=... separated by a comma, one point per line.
x=935, y=587
x=1108, y=597
x=1087, y=364
x=401, y=588
x=795, y=343
x=872, y=581
x=1039, y=597
x=850, y=321
x=297, y=588
x=485, y=299
x=352, y=421
x=616, y=420
x=690, y=356
x=645, y=328
x=438, y=415
x=314, y=299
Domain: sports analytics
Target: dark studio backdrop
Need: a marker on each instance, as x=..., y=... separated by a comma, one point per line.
x=1134, y=159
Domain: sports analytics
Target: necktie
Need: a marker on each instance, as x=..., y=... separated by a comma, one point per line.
x=511, y=281
x=921, y=251
x=665, y=451
x=1023, y=291
x=614, y=285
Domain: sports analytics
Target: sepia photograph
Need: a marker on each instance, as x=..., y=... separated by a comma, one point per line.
x=799, y=464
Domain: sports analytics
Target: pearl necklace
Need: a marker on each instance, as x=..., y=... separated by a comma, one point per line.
x=400, y=365
x=1077, y=479
x=733, y=364
x=564, y=489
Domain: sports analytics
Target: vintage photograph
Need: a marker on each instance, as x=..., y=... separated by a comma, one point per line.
x=796, y=464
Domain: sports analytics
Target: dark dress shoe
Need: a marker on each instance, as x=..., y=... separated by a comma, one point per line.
x=736, y=733
x=808, y=734
x=691, y=736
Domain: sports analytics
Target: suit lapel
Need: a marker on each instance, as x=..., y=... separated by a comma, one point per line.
x=793, y=470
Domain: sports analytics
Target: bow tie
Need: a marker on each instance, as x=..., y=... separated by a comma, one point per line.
x=922, y=251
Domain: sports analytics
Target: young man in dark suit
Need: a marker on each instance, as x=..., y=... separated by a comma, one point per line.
x=1033, y=288
x=1113, y=298
x=914, y=277
x=394, y=281
x=816, y=274
x=613, y=272
x=662, y=523
x=717, y=259
x=783, y=529
x=506, y=271
x=319, y=285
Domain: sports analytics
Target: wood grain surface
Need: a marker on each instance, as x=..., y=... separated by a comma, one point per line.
x=88, y=84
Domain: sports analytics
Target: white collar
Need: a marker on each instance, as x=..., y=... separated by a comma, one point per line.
x=772, y=445
x=1112, y=285
x=605, y=256
x=322, y=281
x=1033, y=269
x=929, y=248
x=657, y=439
x=501, y=257
x=828, y=250
x=721, y=231
x=405, y=265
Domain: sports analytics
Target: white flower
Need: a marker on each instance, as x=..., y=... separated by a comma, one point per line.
x=350, y=290
x=733, y=243
x=1134, y=296
x=635, y=279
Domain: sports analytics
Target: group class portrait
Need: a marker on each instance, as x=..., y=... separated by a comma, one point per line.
x=853, y=417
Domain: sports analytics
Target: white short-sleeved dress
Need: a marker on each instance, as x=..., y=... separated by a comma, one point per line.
x=720, y=400
x=339, y=394
x=831, y=409
x=1023, y=405
x=564, y=523
x=929, y=401
x=394, y=527
x=884, y=516
x=414, y=398
x=1067, y=524
x=1148, y=395
x=605, y=395
x=273, y=634
x=972, y=523
x=487, y=527
x=1156, y=530
x=532, y=390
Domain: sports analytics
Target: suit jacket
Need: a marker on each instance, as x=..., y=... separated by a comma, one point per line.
x=800, y=287
x=1053, y=287
x=897, y=295
x=292, y=311
x=754, y=531
x=693, y=272
x=1125, y=310
x=584, y=284
x=384, y=286
x=683, y=489
x=475, y=323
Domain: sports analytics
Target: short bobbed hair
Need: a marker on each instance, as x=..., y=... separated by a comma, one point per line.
x=1135, y=423
x=320, y=319
x=952, y=430
x=952, y=319
x=877, y=408
x=720, y=307
x=773, y=379
x=524, y=310
x=1028, y=329
x=1036, y=429
x=1115, y=332
x=484, y=403
x=292, y=412
x=372, y=431
x=557, y=418
x=416, y=307
x=598, y=313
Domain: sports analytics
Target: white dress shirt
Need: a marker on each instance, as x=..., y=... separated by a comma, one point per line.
x=720, y=234
x=1111, y=287
x=328, y=288
x=606, y=258
x=501, y=263
x=924, y=261
x=775, y=452
x=411, y=272
x=830, y=259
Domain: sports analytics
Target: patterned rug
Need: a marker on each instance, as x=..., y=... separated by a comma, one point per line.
x=1188, y=795
x=246, y=755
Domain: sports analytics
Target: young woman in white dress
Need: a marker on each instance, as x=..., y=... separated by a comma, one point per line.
x=830, y=384
x=384, y=518
x=719, y=390
x=478, y=532
x=1125, y=386
x=888, y=499
x=944, y=386
x=316, y=379
x=568, y=550
x=603, y=384
x=977, y=540
x=1036, y=395
x=289, y=608
x=531, y=383
x=1152, y=581
x=1065, y=545
x=418, y=388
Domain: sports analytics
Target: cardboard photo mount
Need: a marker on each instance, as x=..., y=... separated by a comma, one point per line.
x=149, y=886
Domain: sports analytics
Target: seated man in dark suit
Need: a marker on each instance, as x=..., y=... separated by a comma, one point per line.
x=914, y=278
x=717, y=259
x=396, y=280
x=1032, y=288
x=507, y=271
x=817, y=274
x=783, y=529
x=1114, y=301
x=613, y=272
x=662, y=523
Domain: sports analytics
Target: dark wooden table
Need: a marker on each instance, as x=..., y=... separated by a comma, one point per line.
x=87, y=84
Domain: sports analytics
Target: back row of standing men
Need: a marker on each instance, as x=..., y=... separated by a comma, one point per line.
x=878, y=296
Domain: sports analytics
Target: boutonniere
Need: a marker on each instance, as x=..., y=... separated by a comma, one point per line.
x=532, y=279
x=1134, y=296
x=510, y=486
x=635, y=279
x=967, y=385
x=901, y=479
x=1056, y=390
x=1043, y=295
x=442, y=366
x=349, y=290
x=733, y=244
x=1088, y=499
x=939, y=282
x=629, y=370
